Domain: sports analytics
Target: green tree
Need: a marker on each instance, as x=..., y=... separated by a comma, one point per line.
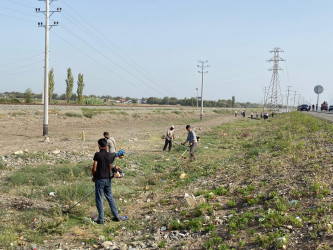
x=51, y=84
x=233, y=101
x=80, y=86
x=69, y=85
x=28, y=96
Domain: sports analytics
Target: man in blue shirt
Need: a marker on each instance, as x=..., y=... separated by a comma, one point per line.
x=192, y=140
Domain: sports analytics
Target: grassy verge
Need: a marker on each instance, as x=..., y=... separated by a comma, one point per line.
x=261, y=184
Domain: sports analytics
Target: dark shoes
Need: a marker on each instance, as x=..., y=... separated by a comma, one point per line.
x=101, y=222
x=116, y=219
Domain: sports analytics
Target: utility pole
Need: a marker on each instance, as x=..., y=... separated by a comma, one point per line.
x=47, y=27
x=197, y=97
x=274, y=90
x=265, y=89
x=295, y=98
x=288, y=90
x=203, y=71
x=299, y=98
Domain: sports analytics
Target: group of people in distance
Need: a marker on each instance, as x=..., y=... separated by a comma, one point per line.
x=264, y=115
x=103, y=169
x=191, y=139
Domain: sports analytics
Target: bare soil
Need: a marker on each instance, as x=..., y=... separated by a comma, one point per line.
x=22, y=129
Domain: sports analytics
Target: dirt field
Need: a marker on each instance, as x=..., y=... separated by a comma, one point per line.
x=22, y=126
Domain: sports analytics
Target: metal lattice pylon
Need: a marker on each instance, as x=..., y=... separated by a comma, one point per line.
x=274, y=96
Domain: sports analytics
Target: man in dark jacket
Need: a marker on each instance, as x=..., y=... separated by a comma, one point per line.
x=102, y=171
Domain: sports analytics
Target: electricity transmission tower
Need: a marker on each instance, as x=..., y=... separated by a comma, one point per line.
x=47, y=27
x=203, y=71
x=274, y=96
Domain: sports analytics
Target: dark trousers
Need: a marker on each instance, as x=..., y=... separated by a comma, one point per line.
x=192, y=149
x=166, y=144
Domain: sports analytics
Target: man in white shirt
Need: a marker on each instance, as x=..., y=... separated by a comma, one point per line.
x=170, y=136
x=111, y=143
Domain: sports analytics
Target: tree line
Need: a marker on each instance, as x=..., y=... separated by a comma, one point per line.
x=68, y=95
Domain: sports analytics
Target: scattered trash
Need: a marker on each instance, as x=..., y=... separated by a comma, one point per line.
x=123, y=217
x=52, y=193
x=293, y=202
x=163, y=179
x=183, y=176
x=163, y=228
x=93, y=216
x=206, y=147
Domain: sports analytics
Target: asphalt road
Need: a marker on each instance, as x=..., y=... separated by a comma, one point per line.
x=327, y=115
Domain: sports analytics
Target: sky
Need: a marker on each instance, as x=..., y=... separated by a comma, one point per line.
x=143, y=48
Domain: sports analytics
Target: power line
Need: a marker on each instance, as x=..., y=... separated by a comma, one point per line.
x=21, y=72
x=99, y=63
x=18, y=11
x=24, y=66
x=20, y=3
x=109, y=59
x=20, y=60
x=105, y=42
x=17, y=18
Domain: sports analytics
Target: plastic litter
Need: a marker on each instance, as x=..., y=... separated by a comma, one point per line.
x=293, y=202
x=52, y=193
x=93, y=216
x=123, y=217
x=183, y=176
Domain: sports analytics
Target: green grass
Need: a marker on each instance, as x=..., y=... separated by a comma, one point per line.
x=72, y=114
x=256, y=169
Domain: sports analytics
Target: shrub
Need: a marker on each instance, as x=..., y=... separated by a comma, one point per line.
x=18, y=179
x=195, y=224
x=88, y=115
x=72, y=114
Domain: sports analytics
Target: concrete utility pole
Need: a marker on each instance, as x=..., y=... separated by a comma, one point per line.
x=197, y=97
x=274, y=90
x=295, y=98
x=203, y=71
x=288, y=90
x=47, y=27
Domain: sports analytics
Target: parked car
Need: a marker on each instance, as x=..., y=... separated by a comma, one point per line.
x=330, y=108
x=304, y=107
x=324, y=106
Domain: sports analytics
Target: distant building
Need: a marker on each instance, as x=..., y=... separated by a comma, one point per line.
x=121, y=100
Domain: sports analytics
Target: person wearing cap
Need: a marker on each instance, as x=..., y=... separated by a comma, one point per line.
x=192, y=140
x=170, y=136
x=111, y=143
